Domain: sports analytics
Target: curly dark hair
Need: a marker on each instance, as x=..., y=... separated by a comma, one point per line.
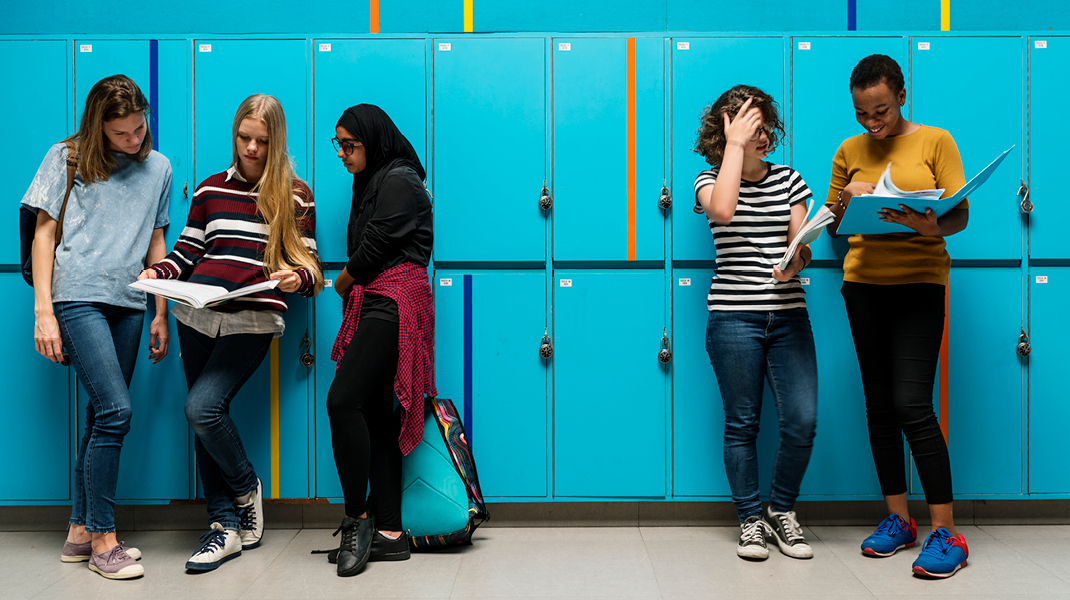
x=874, y=69
x=711, y=138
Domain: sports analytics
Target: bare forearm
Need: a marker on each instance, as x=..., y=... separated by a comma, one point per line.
x=44, y=255
x=953, y=222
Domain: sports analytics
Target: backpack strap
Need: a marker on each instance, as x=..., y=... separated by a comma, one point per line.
x=72, y=166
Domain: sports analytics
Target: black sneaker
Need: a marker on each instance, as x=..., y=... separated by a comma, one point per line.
x=355, y=546
x=383, y=548
x=752, y=539
x=787, y=533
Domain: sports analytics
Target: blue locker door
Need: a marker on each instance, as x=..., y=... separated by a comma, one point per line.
x=37, y=406
x=822, y=112
x=1049, y=412
x=703, y=69
x=224, y=75
x=48, y=100
x=995, y=229
x=1048, y=57
x=841, y=463
x=611, y=90
x=328, y=318
x=489, y=149
x=344, y=74
x=984, y=411
x=609, y=388
x=489, y=328
x=156, y=457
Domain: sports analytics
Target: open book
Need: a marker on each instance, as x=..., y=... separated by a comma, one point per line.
x=198, y=295
x=808, y=232
x=861, y=215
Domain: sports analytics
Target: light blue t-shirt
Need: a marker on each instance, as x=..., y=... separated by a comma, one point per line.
x=106, y=228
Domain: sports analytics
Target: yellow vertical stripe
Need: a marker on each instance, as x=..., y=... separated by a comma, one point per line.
x=468, y=16
x=945, y=15
x=275, y=418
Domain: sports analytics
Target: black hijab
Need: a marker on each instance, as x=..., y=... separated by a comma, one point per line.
x=384, y=146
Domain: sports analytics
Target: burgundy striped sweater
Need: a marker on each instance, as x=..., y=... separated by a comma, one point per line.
x=224, y=240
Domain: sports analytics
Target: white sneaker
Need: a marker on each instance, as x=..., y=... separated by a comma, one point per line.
x=787, y=533
x=251, y=515
x=218, y=546
x=752, y=539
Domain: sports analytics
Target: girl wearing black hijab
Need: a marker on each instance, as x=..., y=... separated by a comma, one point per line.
x=384, y=346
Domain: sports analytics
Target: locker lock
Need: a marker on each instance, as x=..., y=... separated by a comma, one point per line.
x=665, y=200
x=1024, y=349
x=545, y=201
x=185, y=190
x=546, y=349
x=664, y=356
x=1026, y=205
x=306, y=356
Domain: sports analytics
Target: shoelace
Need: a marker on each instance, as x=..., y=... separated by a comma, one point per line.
x=349, y=537
x=791, y=527
x=247, y=517
x=938, y=543
x=212, y=541
x=890, y=526
x=118, y=554
x=753, y=531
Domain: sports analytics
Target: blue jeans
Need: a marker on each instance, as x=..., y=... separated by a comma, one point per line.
x=744, y=349
x=102, y=341
x=216, y=368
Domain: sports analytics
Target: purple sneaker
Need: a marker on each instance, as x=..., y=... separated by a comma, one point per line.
x=115, y=564
x=81, y=552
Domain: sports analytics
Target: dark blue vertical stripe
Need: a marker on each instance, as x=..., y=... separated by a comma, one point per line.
x=468, y=356
x=852, y=15
x=154, y=88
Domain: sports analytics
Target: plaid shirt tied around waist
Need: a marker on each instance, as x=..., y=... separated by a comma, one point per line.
x=406, y=284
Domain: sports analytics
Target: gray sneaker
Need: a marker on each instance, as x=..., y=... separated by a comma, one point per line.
x=81, y=552
x=115, y=564
x=752, y=539
x=251, y=515
x=787, y=533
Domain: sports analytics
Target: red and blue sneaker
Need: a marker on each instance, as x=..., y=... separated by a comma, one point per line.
x=942, y=554
x=891, y=535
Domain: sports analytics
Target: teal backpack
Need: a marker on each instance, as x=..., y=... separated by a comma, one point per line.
x=441, y=503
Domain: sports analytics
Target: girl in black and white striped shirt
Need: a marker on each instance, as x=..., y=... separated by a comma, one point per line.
x=758, y=323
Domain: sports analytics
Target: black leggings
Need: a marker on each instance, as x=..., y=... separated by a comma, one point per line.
x=364, y=426
x=897, y=331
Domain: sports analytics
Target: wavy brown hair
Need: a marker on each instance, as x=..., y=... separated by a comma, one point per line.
x=285, y=249
x=111, y=98
x=711, y=137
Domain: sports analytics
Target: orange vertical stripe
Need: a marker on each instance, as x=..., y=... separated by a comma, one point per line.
x=944, y=360
x=631, y=148
x=374, y=28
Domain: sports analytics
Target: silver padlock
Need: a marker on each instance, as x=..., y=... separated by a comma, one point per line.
x=307, y=359
x=545, y=201
x=665, y=200
x=1024, y=349
x=1026, y=205
x=546, y=349
x=664, y=356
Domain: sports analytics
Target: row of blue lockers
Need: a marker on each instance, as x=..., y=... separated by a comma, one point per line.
x=603, y=417
x=498, y=119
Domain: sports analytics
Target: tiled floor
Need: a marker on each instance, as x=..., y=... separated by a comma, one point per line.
x=630, y=562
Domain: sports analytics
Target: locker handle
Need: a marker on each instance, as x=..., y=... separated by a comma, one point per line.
x=1026, y=205
x=307, y=358
x=546, y=348
x=664, y=355
x=545, y=201
x=665, y=200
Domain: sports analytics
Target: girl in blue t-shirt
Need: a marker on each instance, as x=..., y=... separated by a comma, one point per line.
x=112, y=225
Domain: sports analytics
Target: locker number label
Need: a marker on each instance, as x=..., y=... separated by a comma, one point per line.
x=804, y=45
x=85, y=48
x=444, y=47
x=804, y=280
x=685, y=282
x=683, y=45
x=445, y=282
x=564, y=47
x=566, y=283
x=1040, y=43
x=923, y=45
x=1042, y=279
x=328, y=283
x=325, y=47
x=204, y=47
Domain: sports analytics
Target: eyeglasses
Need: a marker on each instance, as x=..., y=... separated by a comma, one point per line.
x=347, y=147
x=758, y=133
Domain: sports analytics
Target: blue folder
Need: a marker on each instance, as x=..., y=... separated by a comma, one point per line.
x=861, y=215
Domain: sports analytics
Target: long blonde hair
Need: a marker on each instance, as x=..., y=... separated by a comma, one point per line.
x=111, y=98
x=275, y=200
